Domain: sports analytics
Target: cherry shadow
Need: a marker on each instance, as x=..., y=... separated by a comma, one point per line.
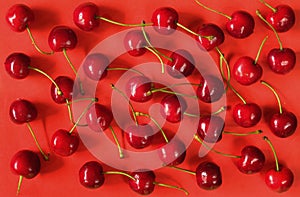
x=44, y=18
x=43, y=63
x=54, y=163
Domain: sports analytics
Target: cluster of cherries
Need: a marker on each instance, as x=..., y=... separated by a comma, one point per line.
x=139, y=88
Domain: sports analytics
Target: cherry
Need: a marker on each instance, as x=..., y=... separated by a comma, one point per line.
x=19, y=17
x=252, y=160
x=139, y=136
x=16, y=65
x=182, y=64
x=281, y=178
x=210, y=128
x=215, y=36
x=172, y=153
x=99, y=117
x=208, y=175
x=84, y=16
x=165, y=20
x=25, y=163
x=91, y=175
x=62, y=38
x=22, y=111
x=135, y=42
x=143, y=183
x=64, y=143
x=284, y=123
x=172, y=108
x=211, y=89
x=246, y=114
x=95, y=65
x=138, y=88
x=65, y=91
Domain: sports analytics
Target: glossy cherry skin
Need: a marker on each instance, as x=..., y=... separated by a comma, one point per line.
x=19, y=17
x=66, y=86
x=283, y=125
x=98, y=117
x=279, y=181
x=252, y=160
x=246, y=71
x=182, y=64
x=144, y=182
x=165, y=20
x=281, y=61
x=209, y=30
x=62, y=37
x=211, y=89
x=283, y=19
x=139, y=136
x=241, y=24
x=246, y=115
x=210, y=128
x=63, y=143
x=172, y=108
x=16, y=65
x=95, y=66
x=208, y=176
x=26, y=163
x=22, y=111
x=135, y=42
x=139, y=88
x=91, y=175
x=84, y=16
x=173, y=153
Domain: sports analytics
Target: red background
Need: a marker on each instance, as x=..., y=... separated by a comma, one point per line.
x=60, y=175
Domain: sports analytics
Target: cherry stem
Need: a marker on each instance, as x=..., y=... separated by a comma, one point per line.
x=212, y=10
x=169, y=92
x=171, y=186
x=275, y=32
x=59, y=92
x=127, y=69
x=36, y=142
x=223, y=108
x=158, y=57
x=243, y=134
x=35, y=45
x=82, y=99
x=123, y=24
x=120, y=173
x=194, y=33
x=260, y=49
x=19, y=184
x=275, y=93
x=183, y=170
x=268, y=5
x=196, y=137
x=155, y=122
x=130, y=105
x=274, y=152
x=117, y=142
x=151, y=46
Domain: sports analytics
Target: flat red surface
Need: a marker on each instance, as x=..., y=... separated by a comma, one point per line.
x=59, y=176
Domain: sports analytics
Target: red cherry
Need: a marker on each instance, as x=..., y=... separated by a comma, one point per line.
x=283, y=19
x=282, y=61
x=210, y=128
x=165, y=20
x=139, y=136
x=19, y=17
x=173, y=153
x=246, y=115
x=213, y=31
x=211, y=89
x=252, y=160
x=22, y=111
x=91, y=175
x=26, y=163
x=99, y=117
x=246, y=71
x=62, y=38
x=84, y=16
x=95, y=65
x=241, y=24
x=66, y=86
x=172, y=108
x=283, y=124
x=208, y=176
x=279, y=181
x=64, y=143
x=135, y=42
x=139, y=88
x=143, y=183
x=182, y=64
x=16, y=65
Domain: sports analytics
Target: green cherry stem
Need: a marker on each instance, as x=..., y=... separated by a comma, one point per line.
x=119, y=173
x=36, y=142
x=125, y=69
x=274, y=152
x=169, y=92
x=275, y=93
x=268, y=5
x=223, y=108
x=117, y=142
x=243, y=134
x=197, y=138
x=19, y=184
x=275, y=32
x=194, y=33
x=158, y=57
x=260, y=49
x=183, y=170
x=82, y=99
x=172, y=187
x=35, y=45
x=123, y=24
x=212, y=10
